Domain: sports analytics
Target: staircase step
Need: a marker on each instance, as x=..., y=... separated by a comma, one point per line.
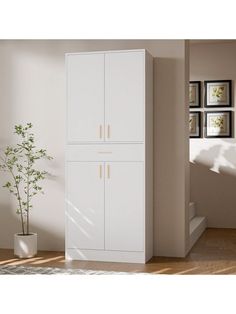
x=196, y=228
x=192, y=211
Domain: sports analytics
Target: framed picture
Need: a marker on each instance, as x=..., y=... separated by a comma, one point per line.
x=194, y=94
x=194, y=124
x=218, y=124
x=217, y=93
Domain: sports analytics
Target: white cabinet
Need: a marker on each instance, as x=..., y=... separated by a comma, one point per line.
x=105, y=95
x=109, y=156
x=124, y=96
x=85, y=205
x=105, y=205
x=85, y=98
x=124, y=206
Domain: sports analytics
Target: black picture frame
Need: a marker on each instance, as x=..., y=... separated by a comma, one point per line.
x=213, y=100
x=196, y=128
x=195, y=101
x=210, y=133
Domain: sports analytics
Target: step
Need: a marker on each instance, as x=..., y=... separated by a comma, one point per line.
x=192, y=210
x=196, y=228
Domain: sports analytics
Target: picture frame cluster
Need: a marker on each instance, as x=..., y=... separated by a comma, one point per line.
x=217, y=122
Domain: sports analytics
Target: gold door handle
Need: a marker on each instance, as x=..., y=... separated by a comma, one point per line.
x=108, y=171
x=100, y=131
x=108, y=131
x=100, y=171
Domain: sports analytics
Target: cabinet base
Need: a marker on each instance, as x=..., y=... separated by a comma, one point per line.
x=105, y=256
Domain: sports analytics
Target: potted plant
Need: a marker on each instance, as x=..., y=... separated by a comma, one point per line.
x=19, y=161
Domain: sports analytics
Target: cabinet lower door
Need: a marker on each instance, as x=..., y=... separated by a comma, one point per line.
x=124, y=206
x=85, y=205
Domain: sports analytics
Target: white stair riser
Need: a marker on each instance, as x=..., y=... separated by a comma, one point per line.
x=192, y=211
x=197, y=227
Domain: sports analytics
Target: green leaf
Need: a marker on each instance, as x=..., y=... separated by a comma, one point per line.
x=19, y=161
x=7, y=185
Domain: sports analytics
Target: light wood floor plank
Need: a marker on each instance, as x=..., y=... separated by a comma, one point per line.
x=214, y=253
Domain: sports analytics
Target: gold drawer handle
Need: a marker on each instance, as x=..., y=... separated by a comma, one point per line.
x=100, y=131
x=108, y=131
x=100, y=171
x=108, y=171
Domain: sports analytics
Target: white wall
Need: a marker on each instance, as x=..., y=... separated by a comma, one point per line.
x=32, y=88
x=213, y=161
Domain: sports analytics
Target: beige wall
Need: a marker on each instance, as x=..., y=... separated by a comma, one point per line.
x=171, y=191
x=32, y=88
x=213, y=161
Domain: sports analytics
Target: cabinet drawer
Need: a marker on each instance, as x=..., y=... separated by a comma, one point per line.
x=107, y=152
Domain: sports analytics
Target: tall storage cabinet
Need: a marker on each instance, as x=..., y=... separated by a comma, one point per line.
x=109, y=156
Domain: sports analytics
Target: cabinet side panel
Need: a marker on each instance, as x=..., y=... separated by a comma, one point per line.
x=149, y=157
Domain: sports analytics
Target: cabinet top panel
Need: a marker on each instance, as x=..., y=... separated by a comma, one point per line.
x=106, y=51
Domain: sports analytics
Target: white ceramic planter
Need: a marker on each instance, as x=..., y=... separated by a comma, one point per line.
x=25, y=246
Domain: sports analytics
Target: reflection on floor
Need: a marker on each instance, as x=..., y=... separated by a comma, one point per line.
x=214, y=253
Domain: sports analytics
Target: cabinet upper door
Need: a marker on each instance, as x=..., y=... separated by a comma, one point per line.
x=124, y=96
x=85, y=205
x=85, y=97
x=124, y=206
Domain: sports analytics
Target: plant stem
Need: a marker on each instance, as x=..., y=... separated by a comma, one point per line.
x=19, y=201
x=27, y=206
x=18, y=195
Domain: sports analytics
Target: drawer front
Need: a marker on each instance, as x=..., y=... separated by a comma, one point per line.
x=106, y=152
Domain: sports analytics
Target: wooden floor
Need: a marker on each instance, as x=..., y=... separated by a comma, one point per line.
x=214, y=253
